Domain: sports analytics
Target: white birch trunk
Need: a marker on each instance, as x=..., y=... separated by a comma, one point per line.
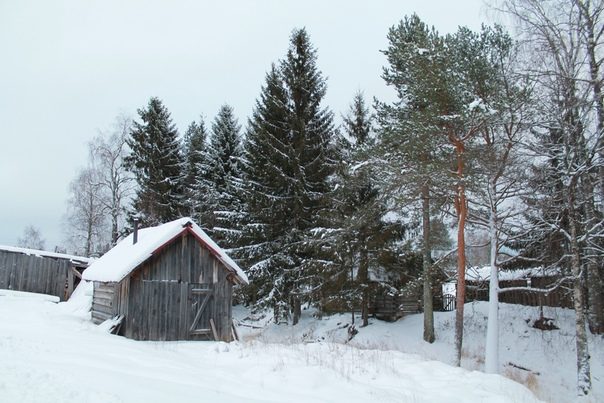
x=491, y=360
x=583, y=367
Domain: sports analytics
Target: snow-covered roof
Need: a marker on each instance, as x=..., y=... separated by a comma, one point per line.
x=42, y=253
x=126, y=256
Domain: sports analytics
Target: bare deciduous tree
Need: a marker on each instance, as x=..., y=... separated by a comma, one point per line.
x=84, y=223
x=116, y=185
x=32, y=238
x=562, y=39
x=100, y=193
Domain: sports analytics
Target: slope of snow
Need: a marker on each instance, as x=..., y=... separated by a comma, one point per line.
x=543, y=360
x=53, y=353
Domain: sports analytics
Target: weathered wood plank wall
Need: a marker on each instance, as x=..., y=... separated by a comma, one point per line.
x=38, y=274
x=392, y=307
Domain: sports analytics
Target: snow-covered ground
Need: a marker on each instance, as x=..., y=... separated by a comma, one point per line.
x=544, y=361
x=51, y=352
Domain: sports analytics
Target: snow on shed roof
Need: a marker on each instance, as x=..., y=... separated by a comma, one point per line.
x=79, y=260
x=120, y=261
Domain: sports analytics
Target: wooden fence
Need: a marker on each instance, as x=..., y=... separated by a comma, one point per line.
x=38, y=273
x=526, y=292
x=522, y=292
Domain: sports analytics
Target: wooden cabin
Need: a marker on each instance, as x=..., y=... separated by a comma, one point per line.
x=40, y=272
x=393, y=306
x=170, y=282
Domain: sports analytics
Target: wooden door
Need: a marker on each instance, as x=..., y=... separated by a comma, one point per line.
x=201, y=307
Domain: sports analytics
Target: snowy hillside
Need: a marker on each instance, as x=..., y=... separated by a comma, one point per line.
x=51, y=352
x=544, y=361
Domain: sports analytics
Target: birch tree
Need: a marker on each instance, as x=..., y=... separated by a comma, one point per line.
x=100, y=193
x=85, y=223
x=116, y=185
x=591, y=17
x=569, y=142
x=496, y=204
x=31, y=239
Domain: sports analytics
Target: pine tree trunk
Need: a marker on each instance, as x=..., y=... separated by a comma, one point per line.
x=427, y=267
x=461, y=210
x=583, y=370
x=461, y=281
x=364, y=277
x=297, y=310
x=491, y=361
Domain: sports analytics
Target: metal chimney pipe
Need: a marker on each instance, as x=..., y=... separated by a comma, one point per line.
x=135, y=234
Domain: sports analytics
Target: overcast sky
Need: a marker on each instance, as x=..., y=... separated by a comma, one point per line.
x=68, y=68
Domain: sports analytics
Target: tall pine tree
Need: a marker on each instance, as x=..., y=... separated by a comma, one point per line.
x=408, y=136
x=157, y=163
x=444, y=85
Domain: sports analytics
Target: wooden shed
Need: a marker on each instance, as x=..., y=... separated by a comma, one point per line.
x=170, y=282
x=40, y=271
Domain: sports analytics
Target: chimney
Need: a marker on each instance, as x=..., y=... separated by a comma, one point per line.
x=135, y=233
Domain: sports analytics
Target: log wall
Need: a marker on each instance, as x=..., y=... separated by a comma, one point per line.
x=392, y=307
x=103, y=302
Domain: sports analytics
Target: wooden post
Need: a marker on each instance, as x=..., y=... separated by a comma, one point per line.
x=235, y=334
x=213, y=329
x=69, y=282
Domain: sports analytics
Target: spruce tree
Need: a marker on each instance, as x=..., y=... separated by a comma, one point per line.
x=289, y=157
x=157, y=163
x=224, y=204
x=358, y=235
x=265, y=222
x=195, y=171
